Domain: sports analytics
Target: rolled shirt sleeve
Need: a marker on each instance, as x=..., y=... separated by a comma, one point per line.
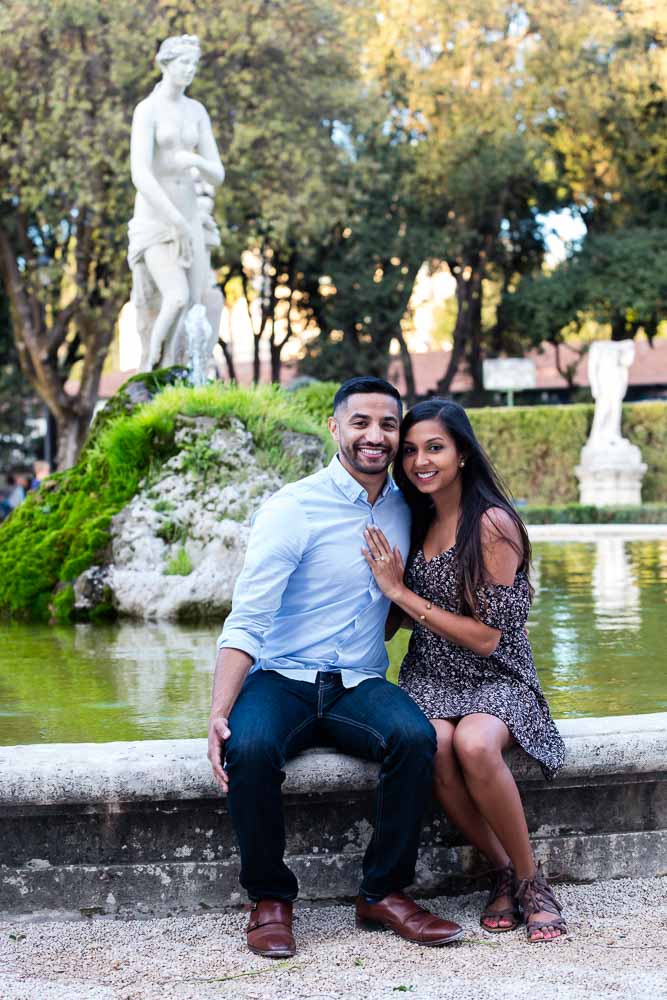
x=278, y=537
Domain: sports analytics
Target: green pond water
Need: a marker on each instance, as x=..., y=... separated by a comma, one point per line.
x=597, y=628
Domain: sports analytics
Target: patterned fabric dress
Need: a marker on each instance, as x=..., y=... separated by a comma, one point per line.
x=448, y=681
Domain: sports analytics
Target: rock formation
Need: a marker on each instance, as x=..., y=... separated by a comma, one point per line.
x=178, y=546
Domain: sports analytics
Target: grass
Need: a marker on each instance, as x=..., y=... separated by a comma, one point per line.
x=180, y=564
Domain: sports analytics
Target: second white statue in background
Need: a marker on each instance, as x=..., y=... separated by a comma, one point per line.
x=610, y=470
x=609, y=362
x=175, y=169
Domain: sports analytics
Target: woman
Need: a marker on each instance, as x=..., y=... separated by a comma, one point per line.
x=469, y=665
x=173, y=157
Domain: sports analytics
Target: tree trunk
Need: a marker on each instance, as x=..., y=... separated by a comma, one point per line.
x=72, y=431
x=275, y=362
x=229, y=360
x=618, y=327
x=461, y=329
x=255, y=360
x=468, y=328
x=408, y=372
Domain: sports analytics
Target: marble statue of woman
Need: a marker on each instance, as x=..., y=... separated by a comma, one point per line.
x=175, y=169
x=610, y=469
x=608, y=365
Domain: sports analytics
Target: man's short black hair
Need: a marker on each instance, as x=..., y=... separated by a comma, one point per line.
x=367, y=384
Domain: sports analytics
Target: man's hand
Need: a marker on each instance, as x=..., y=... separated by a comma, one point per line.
x=218, y=732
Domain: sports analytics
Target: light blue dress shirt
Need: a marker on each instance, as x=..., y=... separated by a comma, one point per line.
x=306, y=600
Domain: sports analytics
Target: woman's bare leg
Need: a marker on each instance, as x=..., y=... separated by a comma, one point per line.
x=172, y=282
x=452, y=794
x=479, y=741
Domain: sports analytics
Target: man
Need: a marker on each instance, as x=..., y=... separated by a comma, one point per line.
x=302, y=660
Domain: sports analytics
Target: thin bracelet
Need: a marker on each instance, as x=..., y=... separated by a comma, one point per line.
x=428, y=608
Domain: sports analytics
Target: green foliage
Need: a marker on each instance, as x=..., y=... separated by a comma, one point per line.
x=62, y=528
x=316, y=400
x=180, y=564
x=469, y=106
x=361, y=278
x=536, y=448
x=201, y=459
x=138, y=389
x=171, y=531
x=63, y=603
x=619, y=280
x=280, y=98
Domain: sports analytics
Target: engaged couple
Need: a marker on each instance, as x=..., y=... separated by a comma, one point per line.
x=336, y=563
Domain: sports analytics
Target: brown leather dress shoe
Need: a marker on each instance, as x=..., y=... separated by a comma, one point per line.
x=406, y=918
x=270, y=929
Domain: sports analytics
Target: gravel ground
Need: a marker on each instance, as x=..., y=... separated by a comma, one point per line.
x=615, y=949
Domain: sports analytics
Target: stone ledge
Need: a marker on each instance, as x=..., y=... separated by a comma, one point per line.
x=129, y=828
x=79, y=773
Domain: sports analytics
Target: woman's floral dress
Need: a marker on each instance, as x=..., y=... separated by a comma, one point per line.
x=448, y=681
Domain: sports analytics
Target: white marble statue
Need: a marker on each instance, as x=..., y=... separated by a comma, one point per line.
x=610, y=470
x=608, y=364
x=175, y=169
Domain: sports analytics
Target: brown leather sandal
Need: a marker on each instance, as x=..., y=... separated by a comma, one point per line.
x=535, y=895
x=503, y=883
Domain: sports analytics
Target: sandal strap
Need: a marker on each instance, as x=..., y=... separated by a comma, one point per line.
x=535, y=895
x=503, y=881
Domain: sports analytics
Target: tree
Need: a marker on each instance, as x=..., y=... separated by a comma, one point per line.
x=19, y=408
x=359, y=280
x=600, y=80
x=283, y=98
x=603, y=99
x=617, y=280
x=456, y=73
x=68, y=79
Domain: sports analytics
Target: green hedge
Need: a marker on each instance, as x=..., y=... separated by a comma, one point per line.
x=576, y=513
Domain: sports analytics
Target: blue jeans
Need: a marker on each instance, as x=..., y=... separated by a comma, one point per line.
x=275, y=718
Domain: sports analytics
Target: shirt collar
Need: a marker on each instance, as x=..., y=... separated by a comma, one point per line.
x=351, y=487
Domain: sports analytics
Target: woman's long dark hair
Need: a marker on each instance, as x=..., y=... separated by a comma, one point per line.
x=481, y=489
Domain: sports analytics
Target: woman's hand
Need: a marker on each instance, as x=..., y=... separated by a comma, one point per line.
x=386, y=564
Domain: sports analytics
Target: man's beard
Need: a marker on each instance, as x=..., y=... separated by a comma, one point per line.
x=358, y=463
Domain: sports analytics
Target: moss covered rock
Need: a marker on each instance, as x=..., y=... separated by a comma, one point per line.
x=64, y=528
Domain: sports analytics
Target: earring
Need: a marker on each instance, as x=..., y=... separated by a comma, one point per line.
x=461, y=464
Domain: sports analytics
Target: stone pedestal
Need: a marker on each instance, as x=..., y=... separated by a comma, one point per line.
x=610, y=475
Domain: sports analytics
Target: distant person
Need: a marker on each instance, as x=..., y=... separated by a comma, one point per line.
x=469, y=664
x=19, y=483
x=41, y=470
x=302, y=662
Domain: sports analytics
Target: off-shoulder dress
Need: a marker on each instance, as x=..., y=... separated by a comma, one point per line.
x=448, y=681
